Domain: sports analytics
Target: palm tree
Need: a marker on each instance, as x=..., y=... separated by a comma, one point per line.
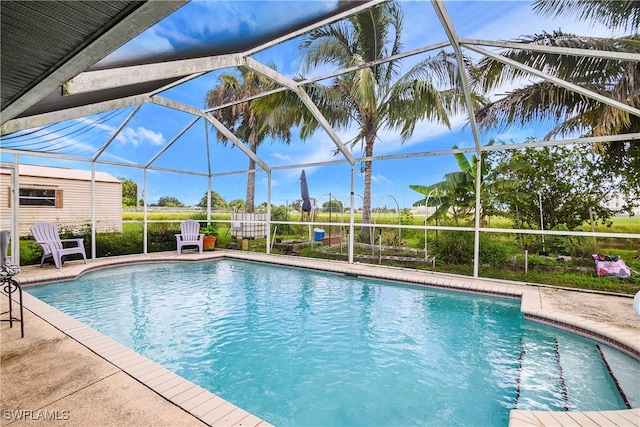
x=374, y=97
x=456, y=192
x=570, y=111
x=242, y=119
x=449, y=199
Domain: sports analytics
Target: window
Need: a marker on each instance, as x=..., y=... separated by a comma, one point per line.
x=41, y=197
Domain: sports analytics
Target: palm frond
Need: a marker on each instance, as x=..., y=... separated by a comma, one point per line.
x=430, y=90
x=411, y=101
x=378, y=31
x=245, y=119
x=328, y=45
x=535, y=102
x=622, y=14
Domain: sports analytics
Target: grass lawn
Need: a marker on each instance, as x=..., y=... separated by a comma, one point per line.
x=545, y=270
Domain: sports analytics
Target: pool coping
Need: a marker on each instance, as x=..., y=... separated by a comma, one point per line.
x=213, y=410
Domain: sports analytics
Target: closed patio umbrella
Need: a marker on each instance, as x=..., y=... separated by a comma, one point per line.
x=304, y=191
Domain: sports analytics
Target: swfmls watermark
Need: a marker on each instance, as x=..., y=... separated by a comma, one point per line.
x=35, y=415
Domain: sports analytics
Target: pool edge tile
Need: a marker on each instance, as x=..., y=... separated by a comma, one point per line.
x=159, y=380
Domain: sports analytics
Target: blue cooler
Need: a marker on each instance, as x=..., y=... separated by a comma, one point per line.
x=319, y=234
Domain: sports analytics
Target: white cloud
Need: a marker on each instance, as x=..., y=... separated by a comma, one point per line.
x=148, y=43
x=281, y=157
x=322, y=151
x=107, y=155
x=140, y=135
x=380, y=180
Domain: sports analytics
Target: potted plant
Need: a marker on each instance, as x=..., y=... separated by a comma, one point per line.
x=210, y=236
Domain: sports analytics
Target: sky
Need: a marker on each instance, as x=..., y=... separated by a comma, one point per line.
x=219, y=22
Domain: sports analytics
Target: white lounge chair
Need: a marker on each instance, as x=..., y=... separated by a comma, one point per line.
x=47, y=236
x=189, y=235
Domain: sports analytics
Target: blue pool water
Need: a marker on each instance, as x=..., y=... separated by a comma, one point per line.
x=302, y=348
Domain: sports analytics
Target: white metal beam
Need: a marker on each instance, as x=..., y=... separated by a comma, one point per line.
x=215, y=122
x=125, y=76
x=71, y=113
x=44, y=119
x=103, y=162
x=234, y=139
x=170, y=143
x=117, y=131
x=606, y=54
x=338, y=73
x=557, y=142
x=441, y=11
x=295, y=86
x=93, y=210
x=191, y=68
x=175, y=105
x=560, y=82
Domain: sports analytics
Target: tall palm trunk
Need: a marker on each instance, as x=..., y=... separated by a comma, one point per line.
x=251, y=187
x=251, y=178
x=376, y=98
x=368, y=170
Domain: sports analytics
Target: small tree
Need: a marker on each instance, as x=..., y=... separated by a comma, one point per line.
x=249, y=125
x=565, y=183
x=332, y=206
x=169, y=202
x=296, y=205
x=129, y=192
x=217, y=201
x=279, y=213
x=237, y=205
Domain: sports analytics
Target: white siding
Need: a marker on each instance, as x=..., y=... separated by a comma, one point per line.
x=74, y=210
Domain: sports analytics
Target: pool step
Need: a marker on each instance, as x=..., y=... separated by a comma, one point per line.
x=557, y=375
x=625, y=371
x=540, y=385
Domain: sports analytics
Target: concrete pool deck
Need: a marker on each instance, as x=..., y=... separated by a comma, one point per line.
x=65, y=373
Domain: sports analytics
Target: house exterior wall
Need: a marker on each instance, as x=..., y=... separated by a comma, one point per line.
x=72, y=207
x=616, y=203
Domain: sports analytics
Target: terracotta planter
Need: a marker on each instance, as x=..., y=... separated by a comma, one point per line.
x=209, y=242
x=244, y=244
x=331, y=240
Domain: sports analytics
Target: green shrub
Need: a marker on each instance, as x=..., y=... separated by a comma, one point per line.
x=454, y=247
x=162, y=236
x=30, y=252
x=406, y=218
x=574, y=246
x=125, y=243
x=585, y=248
x=495, y=252
x=279, y=213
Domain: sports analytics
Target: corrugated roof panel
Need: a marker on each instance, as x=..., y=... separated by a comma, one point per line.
x=38, y=36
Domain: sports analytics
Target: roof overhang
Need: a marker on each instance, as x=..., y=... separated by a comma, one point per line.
x=45, y=43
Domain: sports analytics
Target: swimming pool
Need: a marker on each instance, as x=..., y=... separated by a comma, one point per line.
x=298, y=347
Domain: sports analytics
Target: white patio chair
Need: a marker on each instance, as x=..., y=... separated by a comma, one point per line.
x=47, y=236
x=189, y=235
